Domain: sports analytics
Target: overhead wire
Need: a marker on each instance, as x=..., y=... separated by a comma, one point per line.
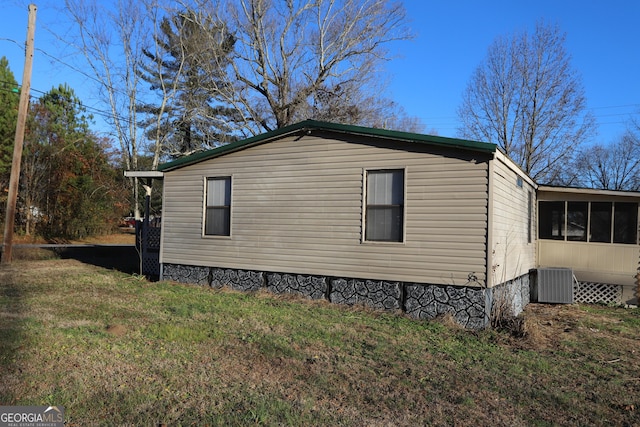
x=103, y=113
x=448, y=122
x=92, y=110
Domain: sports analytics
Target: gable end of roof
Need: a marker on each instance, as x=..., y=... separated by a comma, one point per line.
x=309, y=126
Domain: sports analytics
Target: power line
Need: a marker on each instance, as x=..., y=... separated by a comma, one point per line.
x=103, y=113
x=55, y=59
x=73, y=68
x=97, y=80
x=616, y=106
x=448, y=122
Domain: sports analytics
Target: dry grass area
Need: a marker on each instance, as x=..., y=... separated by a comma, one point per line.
x=123, y=236
x=114, y=349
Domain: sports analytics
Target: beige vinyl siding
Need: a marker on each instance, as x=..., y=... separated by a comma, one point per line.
x=605, y=258
x=512, y=253
x=297, y=208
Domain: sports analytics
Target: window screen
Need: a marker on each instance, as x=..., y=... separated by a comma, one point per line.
x=600, y=227
x=625, y=223
x=385, y=206
x=607, y=222
x=577, y=221
x=218, y=210
x=551, y=220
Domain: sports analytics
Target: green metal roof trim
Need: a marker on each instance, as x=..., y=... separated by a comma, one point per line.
x=311, y=125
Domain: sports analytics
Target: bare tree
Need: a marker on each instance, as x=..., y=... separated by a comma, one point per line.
x=352, y=105
x=526, y=98
x=612, y=167
x=111, y=38
x=301, y=59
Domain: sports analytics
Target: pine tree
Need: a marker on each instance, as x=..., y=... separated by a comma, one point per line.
x=190, y=54
x=9, y=100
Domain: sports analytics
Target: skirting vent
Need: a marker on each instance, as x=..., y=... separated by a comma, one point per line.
x=553, y=285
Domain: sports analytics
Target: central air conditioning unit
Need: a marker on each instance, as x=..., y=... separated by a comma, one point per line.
x=553, y=285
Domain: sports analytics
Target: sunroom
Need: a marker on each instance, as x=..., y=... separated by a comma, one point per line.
x=594, y=233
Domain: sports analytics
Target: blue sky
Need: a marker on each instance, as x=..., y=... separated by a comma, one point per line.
x=429, y=73
x=602, y=37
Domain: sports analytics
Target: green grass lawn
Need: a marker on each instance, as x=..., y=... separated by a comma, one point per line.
x=113, y=349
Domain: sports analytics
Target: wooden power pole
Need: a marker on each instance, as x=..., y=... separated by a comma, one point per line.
x=7, y=243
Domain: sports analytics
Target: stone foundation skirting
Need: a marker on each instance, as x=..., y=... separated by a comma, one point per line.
x=510, y=298
x=373, y=293
x=470, y=306
x=314, y=287
x=466, y=304
x=239, y=280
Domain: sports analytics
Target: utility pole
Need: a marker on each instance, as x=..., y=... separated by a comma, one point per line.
x=7, y=243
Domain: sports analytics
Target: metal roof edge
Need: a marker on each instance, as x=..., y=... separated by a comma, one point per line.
x=404, y=136
x=310, y=125
x=583, y=190
x=233, y=146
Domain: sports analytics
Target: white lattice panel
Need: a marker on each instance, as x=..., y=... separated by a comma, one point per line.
x=593, y=293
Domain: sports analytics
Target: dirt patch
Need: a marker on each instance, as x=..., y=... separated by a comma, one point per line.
x=546, y=327
x=116, y=330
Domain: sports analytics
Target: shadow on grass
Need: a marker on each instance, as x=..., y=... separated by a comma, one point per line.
x=14, y=319
x=124, y=258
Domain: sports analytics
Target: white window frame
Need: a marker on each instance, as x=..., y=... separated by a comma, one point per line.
x=365, y=175
x=205, y=207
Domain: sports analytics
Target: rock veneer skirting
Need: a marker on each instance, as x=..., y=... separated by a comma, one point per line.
x=470, y=306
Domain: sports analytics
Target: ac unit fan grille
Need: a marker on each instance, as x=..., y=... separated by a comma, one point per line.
x=555, y=285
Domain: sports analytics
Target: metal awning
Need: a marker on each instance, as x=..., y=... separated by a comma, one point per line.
x=144, y=174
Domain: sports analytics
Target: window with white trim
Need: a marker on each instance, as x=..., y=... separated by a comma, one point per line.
x=384, y=214
x=218, y=208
